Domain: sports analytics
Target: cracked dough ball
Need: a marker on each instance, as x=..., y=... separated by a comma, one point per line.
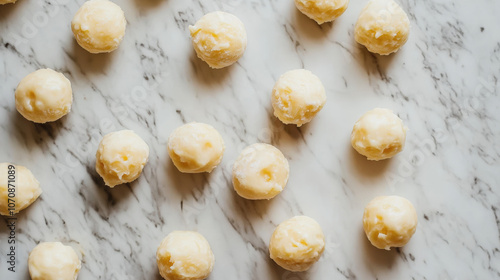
x=53, y=261
x=121, y=156
x=44, y=96
x=297, y=243
x=260, y=172
x=195, y=148
x=389, y=221
x=379, y=134
x=322, y=10
x=184, y=255
x=382, y=27
x=219, y=39
x=26, y=188
x=297, y=97
x=7, y=1
x=99, y=26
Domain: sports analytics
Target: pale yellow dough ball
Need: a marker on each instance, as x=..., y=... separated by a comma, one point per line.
x=260, y=172
x=297, y=243
x=389, y=221
x=121, y=156
x=99, y=26
x=44, y=96
x=2, y=2
x=53, y=261
x=322, y=10
x=219, y=39
x=195, y=148
x=382, y=27
x=379, y=134
x=297, y=97
x=184, y=255
x=24, y=189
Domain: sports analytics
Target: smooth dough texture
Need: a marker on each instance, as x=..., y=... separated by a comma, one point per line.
x=379, y=134
x=297, y=243
x=7, y=1
x=44, y=96
x=121, y=156
x=53, y=261
x=184, y=255
x=297, y=97
x=26, y=190
x=389, y=221
x=195, y=148
x=260, y=172
x=322, y=10
x=219, y=39
x=382, y=27
x=99, y=26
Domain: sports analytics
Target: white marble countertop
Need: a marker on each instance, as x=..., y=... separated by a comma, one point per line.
x=443, y=84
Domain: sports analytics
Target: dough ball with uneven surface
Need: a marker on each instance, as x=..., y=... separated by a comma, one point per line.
x=2, y=2
x=297, y=97
x=44, y=96
x=121, y=156
x=322, y=11
x=297, y=243
x=185, y=255
x=53, y=261
x=389, y=221
x=219, y=39
x=25, y=191
x=379, y=134
x=99, y=26
x=382, y=27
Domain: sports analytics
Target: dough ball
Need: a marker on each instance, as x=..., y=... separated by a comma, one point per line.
x=322, y=10
x=185, y=255
x=260, y=172
x=297, y=243
x=389, y=221
x=121, y=156
x=219, y=39
x=195, y=148
x=297, y=97
x=379, y=134
x=44, y=96
x=7, y=1
x=382, y=27
x=99, y=26
x=26, y=188
x=53, y=261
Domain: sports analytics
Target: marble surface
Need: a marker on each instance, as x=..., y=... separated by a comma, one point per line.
x=443, y=84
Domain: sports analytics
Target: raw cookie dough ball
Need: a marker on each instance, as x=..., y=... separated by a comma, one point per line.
x=26, y=188
x=297, y=243
x=389, y=221
x=260, y=172
x=379, y=134
x=184, y=255
x=44, y=96
x=382, y=27
x=322, y=10
x=297, y=97
x=53, y=261
x=99, y=26
x=7, y=1
x=195, y=148
x=219, y=39
x=121, y=156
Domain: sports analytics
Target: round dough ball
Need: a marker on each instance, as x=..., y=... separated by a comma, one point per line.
x=53, y=261
x=44, y=96
x=185, y=255
x=195, y=148
x=382, y=27
x=297, y=243
x=2, y=2
x=121, y=156
x=26, y=188
x=297, y=97
x=389, y=221
x=322, y=10
x=219, y=39
x=260, y=172
x=99, y=26
x=379, y=134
